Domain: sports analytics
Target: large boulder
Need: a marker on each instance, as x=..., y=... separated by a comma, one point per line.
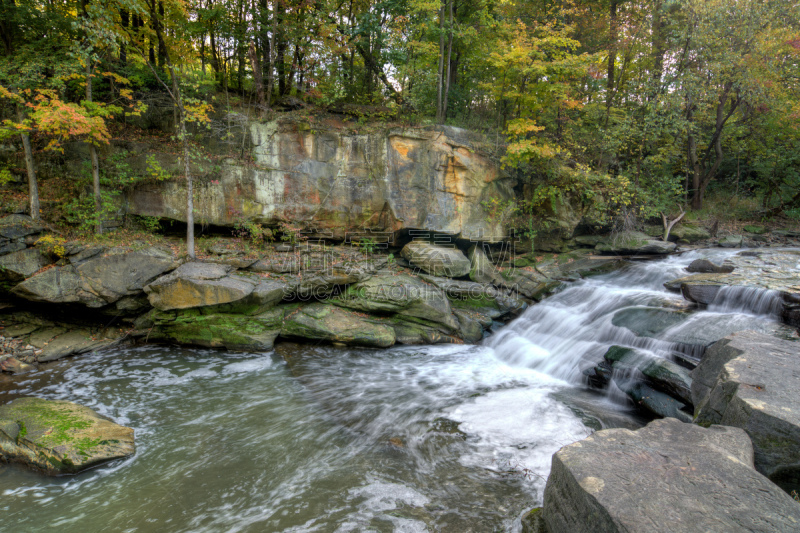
x=482, y=298
x=210, y=285
x=437, y=260
x=668, y=477
x=634, y=243
x=689, y=234
x=61, y=343
x=100, y=281
x=59, y=437
x=528, y=282
x=705, y=266
x=731, y=241
x=319, y=284
x=750, y=380
x=238, y=332
x=320, y=321
x=14, y=227
x=404, y=295
x=20, y=265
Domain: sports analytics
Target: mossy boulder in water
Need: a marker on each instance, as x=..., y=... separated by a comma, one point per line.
x=401, y=294
x=218, y=330
x=689, y=234
x=319, y=321
x=59, y=437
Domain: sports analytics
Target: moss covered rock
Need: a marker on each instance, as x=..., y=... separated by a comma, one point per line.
x=401, y=294
x=326, y=322
x=219, y=330
x=634, y=242
x=60, y=437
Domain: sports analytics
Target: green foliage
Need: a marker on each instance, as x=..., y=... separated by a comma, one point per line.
x=149, y=224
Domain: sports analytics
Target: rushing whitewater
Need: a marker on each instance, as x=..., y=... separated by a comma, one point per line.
x=445, y=438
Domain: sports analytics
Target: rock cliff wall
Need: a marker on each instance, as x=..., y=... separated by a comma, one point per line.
x=331, y=183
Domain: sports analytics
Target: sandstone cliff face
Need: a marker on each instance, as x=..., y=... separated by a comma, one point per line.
x=333, y=183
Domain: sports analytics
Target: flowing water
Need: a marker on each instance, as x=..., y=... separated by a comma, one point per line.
x=433, y=438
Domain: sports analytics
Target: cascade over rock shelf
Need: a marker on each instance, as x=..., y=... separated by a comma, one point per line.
x=767, y=277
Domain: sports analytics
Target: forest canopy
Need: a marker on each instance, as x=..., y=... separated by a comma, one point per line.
x=642, y=106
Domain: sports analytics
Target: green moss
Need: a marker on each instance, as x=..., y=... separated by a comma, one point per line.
x=23, y=430
x=481, y=302
x=83, y=446
x=57, y=422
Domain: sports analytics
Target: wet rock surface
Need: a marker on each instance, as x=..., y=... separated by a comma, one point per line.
x=667, y=477
x=58, y=437
x=326, y=322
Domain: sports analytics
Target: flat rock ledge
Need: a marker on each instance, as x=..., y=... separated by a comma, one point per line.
x=58, y=437
x=667, y=477
x=751, y=381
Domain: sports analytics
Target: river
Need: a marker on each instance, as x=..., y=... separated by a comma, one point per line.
x=445, y=438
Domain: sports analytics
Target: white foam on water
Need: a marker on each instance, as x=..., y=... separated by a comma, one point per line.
x=518, y=430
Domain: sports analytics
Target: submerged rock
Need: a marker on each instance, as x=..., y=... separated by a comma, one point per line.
x=751, y=380
x=668, y=477
x=663, y=374
x=437, y=260
x=60, y=437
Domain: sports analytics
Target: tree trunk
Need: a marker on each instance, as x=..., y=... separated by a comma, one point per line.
x=612, y=55
x=33, y=187
x=659, y=47
x=124, y=18
x=440, y=80
x=272, y=53
x=98, y=201
x=178, y=101
x=257, y=80
x=449, y=58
